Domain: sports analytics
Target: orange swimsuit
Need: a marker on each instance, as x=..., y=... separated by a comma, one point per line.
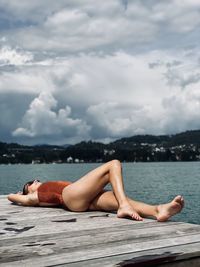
x=51, y=192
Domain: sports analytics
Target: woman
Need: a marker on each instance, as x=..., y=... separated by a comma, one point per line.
x=87, y=194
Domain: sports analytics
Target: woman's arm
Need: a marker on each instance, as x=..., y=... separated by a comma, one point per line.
x=25, y=200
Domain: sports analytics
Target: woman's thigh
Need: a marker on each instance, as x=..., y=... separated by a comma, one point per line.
x=106, y=201
x=79, y=195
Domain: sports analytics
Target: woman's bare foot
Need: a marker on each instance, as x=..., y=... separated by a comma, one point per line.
x=165, y=211
x=128, y=211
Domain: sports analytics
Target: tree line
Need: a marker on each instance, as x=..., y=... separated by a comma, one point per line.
x=141, y=148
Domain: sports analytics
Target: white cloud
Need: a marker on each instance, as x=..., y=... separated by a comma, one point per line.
x=25, y=80
x=179, y=16
x=182, y=110
x=106, y=105
x=78, y=27
x=115, y=120
x=42, y=120
x=102, y=70
x=9, y=56
x=77, y=30
x=81, y=25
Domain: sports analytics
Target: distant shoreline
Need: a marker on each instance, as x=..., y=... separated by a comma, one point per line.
x=140, y=148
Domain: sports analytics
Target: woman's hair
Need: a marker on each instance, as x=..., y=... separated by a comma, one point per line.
x=25, y=187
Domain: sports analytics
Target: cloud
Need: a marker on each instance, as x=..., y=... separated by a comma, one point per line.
x=42, y=120
x=12, y=108
x=179, y=16
x=73, y=29
x=115, y=120
x=80, y=26
x=105, y=105
x=50, y=29
x=21, y=72
x=177, y=78
x=9, y=56
x=182, y=110
x=102, y=71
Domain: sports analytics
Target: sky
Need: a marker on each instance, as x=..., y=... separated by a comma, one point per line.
x=98, y=70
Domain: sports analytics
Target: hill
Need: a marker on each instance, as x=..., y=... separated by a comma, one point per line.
x=179, y=147
x=184, y=138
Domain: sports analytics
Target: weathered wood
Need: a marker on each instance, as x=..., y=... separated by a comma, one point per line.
x=35, y=236
x=147, y=257
x=115, y=243
x=111, y=231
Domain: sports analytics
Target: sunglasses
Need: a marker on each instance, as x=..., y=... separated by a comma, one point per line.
x=25, y=188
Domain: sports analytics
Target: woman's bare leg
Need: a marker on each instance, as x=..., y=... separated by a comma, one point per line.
x=106, y=201
x=87, y=193
x=79, y=195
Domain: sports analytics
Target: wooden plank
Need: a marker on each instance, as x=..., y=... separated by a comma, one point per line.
x=38, y=227
x=139, y=237
x=3, y=196
x=68, y=223
x=53, y=236
x=44, y=256
x=86, y=237
x=185, y=255
x=25, y=214
x=64, y=228
x=106, y=230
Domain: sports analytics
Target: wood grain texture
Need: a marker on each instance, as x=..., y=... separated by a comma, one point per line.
x=36, y=236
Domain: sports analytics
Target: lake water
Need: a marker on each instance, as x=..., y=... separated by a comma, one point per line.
x=149, y=182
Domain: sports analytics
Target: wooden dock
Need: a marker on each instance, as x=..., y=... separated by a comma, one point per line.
x=35, y=236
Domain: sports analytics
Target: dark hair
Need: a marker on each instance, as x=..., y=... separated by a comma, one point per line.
x=25, y=187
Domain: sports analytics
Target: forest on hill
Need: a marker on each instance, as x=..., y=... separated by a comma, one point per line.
x=140, y=148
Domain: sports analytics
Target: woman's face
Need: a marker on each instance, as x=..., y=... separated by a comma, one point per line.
x=34, y=186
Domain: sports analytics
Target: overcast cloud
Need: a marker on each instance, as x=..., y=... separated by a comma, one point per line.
x=84, y=70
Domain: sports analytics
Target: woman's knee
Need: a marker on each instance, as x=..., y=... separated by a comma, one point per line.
x=116, y=163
